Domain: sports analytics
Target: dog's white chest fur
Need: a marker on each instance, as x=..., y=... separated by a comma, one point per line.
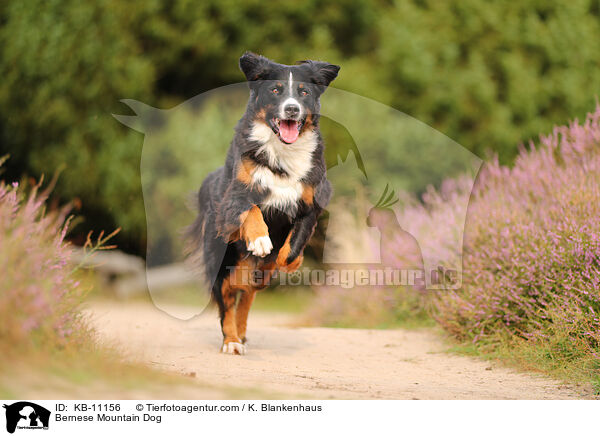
x=295, y=159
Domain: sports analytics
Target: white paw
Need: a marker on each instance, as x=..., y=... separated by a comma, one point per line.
x=261, y=246
x=234, y=348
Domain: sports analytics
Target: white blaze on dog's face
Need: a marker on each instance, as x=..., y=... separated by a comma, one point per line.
x=290, y=112
x=286, y=98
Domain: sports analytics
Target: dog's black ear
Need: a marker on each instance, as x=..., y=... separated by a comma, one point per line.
x=254, y=66
x=323, y=72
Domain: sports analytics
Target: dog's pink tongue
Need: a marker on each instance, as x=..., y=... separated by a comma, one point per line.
x=288, y=130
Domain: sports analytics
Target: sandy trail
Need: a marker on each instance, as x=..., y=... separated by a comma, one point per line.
x=315, y=362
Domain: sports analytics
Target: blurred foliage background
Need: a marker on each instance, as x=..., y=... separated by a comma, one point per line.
x=488, y=74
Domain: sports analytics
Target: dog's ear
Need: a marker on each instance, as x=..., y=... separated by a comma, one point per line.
x=255, y=67
x=323, y=73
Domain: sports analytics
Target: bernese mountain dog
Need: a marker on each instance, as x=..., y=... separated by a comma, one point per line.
x=257, y=213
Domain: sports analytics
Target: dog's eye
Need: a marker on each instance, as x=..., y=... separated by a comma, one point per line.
x=275, y=90
x=303, y=92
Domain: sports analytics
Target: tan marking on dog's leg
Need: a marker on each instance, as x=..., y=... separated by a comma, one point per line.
x=255, y=232
x=284, y=252
x=252, y=283
x=231, y=341
x=295, y=264
x=241, y=314
x=229, y=327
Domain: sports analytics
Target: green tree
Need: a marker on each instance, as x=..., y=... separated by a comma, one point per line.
x=491, y=74
x=488, y=74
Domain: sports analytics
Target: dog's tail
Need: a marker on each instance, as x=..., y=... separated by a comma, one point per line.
x=195, y=233
x=205, y=251
x=195, y=246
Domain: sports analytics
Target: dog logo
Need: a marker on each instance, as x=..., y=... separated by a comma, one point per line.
x=26, y=415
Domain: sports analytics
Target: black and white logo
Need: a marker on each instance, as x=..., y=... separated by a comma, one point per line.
x=26, y=415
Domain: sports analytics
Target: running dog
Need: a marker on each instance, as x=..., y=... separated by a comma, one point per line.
x=257, y=213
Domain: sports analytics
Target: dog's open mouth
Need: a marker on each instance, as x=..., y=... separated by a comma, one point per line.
x=287, y=130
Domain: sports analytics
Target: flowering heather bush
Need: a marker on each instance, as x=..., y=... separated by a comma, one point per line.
x=38, y=295
x=532, y=247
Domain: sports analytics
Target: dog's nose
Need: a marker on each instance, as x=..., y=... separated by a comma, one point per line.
x=291, y=110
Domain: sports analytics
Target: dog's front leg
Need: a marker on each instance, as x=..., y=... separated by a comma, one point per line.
x=290, y=255
x=239, y=217
x=254, y=231
x=232, y=344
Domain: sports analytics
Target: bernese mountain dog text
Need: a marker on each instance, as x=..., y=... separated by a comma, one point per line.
x=257, y=213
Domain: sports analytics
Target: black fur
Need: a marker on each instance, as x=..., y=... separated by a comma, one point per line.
x=223, y=197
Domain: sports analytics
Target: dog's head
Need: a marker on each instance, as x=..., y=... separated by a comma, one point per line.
x=286, y=97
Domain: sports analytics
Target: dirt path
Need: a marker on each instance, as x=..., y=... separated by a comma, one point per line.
x=315, y=362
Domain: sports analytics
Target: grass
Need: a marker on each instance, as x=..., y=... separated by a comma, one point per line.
x=69, y=373
x=553, y=358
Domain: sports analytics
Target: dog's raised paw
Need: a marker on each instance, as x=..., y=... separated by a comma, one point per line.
x=261, y=246
x=234, y=348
